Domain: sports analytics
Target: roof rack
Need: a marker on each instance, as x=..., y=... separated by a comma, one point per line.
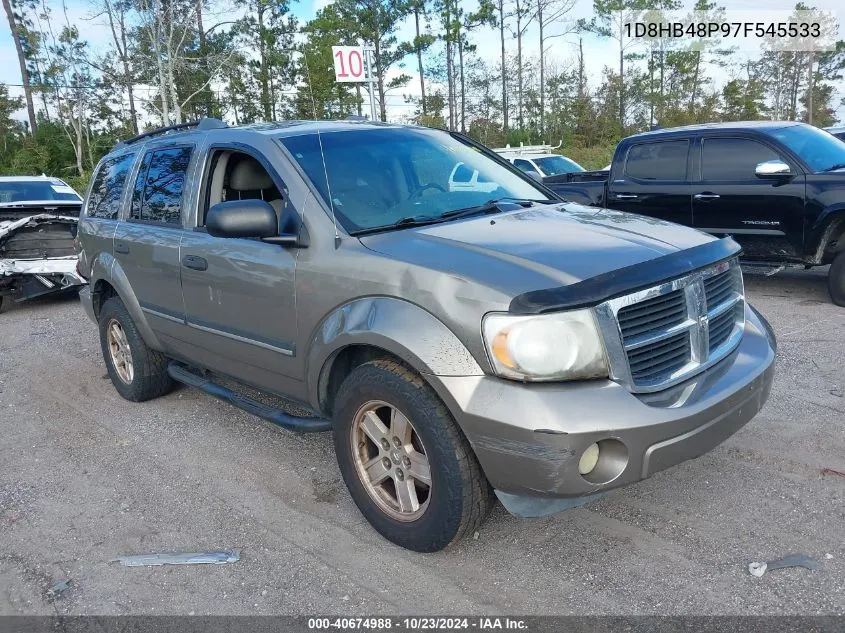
x=528, y=149
x=206, y=123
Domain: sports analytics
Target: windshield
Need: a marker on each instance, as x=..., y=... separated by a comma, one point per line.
x=817, y=148
x=554, y=165
x=380, y=176
x=35, y=190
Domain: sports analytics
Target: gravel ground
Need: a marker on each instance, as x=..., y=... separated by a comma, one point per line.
x=87, y=476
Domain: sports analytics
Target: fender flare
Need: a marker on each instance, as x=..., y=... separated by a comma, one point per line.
x=106, y=268
x=825, y=229
x=399, y=327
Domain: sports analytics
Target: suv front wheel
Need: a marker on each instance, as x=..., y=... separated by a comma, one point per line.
x=137, y=372
x=408, y=467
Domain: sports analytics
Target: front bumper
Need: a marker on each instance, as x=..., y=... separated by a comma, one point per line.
x=529, y=437
x=28, y=278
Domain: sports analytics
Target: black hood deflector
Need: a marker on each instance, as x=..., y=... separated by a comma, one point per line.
x=595, y=290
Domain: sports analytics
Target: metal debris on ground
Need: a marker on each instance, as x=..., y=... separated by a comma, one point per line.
x=59, y=588
x=793, y=560
x=831, y=471
x=219, y=557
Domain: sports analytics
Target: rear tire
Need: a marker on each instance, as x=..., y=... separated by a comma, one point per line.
x=137, y=372
x=836, y=279
x=391, y=492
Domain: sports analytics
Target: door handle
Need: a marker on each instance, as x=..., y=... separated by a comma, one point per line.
x=706, y=196
x=121, y=248
x=195, y=262
x=626, y=196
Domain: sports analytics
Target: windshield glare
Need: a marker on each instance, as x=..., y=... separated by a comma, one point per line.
x=35, y=190
x=380, y=176
x=554, y=165
x=819, y=149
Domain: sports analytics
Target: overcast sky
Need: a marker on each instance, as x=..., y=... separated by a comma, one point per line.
x=597, y=52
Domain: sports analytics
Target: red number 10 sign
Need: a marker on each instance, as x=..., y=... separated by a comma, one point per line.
x=349, y=63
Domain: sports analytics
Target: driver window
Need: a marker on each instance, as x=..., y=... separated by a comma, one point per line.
x=236, y=175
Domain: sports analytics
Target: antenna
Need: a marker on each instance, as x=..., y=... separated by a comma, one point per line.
x=322, y=153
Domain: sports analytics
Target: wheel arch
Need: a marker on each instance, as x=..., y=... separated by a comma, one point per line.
x=830, y=232
x=379, y=327
x=109, y=280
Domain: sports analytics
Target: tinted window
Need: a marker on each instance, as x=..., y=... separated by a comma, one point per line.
x=524, y=165
x=733, y=158
x=107, y=188
x=157, y=196
x=658, y=161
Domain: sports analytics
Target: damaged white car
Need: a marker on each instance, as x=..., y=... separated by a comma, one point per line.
x=38, y=223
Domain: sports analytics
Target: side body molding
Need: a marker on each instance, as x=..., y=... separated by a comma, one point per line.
x=107, y=268
x=399, y=327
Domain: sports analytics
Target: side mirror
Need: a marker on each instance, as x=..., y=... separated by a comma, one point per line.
x=772, y=169
x=242, y=218
x=534, y=176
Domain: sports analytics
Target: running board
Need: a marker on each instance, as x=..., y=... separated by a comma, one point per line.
x=285, y=420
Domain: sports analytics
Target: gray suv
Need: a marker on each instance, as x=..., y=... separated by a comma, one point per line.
x=461, y=336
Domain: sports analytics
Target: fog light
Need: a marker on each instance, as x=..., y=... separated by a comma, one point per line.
x=589, y=459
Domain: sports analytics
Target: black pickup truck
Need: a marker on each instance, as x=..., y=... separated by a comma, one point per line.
x=778, y=188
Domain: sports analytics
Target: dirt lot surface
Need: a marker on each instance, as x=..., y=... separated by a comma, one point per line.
x=87, y=476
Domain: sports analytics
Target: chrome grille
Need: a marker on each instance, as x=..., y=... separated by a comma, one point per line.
x=718, y=287
x=663, y=335
x=655, y=362
x=661, y=311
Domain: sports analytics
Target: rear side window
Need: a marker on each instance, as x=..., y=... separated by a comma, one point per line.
x=733, y=158
x=107, y=187
x=157, y=196
x=666, y=160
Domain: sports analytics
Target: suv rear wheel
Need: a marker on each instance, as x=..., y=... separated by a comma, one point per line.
x=408, y=467
x=136, y=371
x=836, y=279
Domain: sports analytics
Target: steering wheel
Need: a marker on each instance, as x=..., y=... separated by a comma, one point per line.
x=431, y=185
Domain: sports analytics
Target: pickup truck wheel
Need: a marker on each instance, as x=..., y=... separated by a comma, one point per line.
x=137, y=372
x=836, y=280
x=408, y=467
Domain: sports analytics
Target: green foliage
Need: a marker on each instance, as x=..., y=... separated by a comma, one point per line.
x=166, y=65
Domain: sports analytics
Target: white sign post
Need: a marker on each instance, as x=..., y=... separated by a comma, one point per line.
x=353, y=64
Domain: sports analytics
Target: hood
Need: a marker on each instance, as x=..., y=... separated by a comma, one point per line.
x=10, y=211
x=534, y=248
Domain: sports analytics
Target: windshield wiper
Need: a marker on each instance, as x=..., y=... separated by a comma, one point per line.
x=836, y=166
x=416, y=220
x=491, y=206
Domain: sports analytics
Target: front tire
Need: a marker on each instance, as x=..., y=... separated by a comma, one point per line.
x=408, y=467
x=137, y=372
x=836, y=279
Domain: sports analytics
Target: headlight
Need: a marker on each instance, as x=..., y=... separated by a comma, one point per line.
x=561, y=346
